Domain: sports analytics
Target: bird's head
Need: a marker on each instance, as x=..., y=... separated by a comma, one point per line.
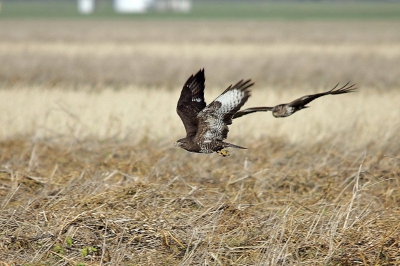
x=275, y=113
x=283, y=110
x=181, y=143
x=278, y=111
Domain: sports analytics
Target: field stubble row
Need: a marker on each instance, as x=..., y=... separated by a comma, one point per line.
x=163, y=54
x=137, y=113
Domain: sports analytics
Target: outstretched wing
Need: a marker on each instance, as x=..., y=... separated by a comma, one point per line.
x=215, y=118
x=287, y=109
x=191, y=102
x=308, y=98
x=251, y=110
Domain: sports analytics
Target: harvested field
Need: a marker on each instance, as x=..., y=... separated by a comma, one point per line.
x=286, y=55
x=89, y=174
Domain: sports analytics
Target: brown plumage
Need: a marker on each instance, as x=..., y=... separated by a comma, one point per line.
x=207, y=125
x=287, y=109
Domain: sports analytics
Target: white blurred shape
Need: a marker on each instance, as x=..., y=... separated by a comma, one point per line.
x=86, y=6
x=131, y=6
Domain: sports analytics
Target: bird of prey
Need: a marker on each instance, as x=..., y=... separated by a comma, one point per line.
x=287, y=109
x=207, y=125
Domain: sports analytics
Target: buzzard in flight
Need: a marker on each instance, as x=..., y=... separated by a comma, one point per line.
x=207, y=125
x=287, y=109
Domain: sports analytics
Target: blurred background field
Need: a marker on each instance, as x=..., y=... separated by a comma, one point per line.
x=222, y=9
x=123, y=78
x=88, y=171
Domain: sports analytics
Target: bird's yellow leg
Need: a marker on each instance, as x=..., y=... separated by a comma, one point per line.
x=223, y=153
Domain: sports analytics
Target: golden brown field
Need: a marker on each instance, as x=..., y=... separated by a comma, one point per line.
x=89, y=174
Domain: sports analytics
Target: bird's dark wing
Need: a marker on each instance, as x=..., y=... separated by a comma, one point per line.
x=251, y=110
x=215, y=118
x=191, y=102
x=308, y=98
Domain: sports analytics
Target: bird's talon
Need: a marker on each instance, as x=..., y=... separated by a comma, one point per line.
x=223, y=153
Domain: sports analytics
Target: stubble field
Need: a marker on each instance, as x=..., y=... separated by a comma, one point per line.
x=89, y=174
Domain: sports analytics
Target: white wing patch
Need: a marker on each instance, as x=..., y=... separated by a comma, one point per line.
x=289, y=110
x=305, y=97
x=196, y=100
x=208, y=137
x=229, y=100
